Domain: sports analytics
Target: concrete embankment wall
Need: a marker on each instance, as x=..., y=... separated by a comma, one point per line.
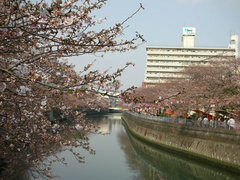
x=218, y=147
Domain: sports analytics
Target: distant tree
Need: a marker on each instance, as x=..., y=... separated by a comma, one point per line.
x=214, y=85
x=35, y=77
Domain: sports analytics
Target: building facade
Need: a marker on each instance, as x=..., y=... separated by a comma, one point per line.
x=165, y=63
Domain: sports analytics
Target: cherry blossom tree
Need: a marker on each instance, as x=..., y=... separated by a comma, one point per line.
x=214, y=85
x=209, y=86
x=36, y=38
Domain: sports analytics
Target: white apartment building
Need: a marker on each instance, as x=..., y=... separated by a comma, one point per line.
x=164, y=63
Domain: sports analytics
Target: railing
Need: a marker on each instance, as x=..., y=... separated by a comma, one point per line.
x=185, y=121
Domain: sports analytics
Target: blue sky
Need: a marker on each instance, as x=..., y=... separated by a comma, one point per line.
x=161, y=24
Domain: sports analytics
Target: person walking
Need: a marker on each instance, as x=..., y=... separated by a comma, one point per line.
x=199, y=121
x=224, y=124
x=231, y=123
x=211, y=123
x=219, y=121
x=205, y=122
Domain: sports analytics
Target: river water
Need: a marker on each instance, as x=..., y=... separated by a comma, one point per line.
x=119, y=156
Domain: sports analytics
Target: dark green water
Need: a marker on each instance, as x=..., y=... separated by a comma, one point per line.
x=119, y=156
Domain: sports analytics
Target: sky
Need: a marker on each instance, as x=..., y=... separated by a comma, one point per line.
x=161, y=24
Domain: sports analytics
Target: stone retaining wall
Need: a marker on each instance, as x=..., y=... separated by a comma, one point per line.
x=219, y=147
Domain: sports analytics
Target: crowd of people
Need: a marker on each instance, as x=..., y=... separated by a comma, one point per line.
x=219, y=122
x=146, y=110
x=201, y=121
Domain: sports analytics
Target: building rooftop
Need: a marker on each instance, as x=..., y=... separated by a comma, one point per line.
x=192, y=48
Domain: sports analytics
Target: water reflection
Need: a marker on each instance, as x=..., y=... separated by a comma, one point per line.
x=107, y=123
x=109, y=161
x=120, y=156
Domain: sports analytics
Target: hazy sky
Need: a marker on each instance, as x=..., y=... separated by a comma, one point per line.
x=161, y=24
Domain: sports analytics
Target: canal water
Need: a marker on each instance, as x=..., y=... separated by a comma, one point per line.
x=119, y=156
